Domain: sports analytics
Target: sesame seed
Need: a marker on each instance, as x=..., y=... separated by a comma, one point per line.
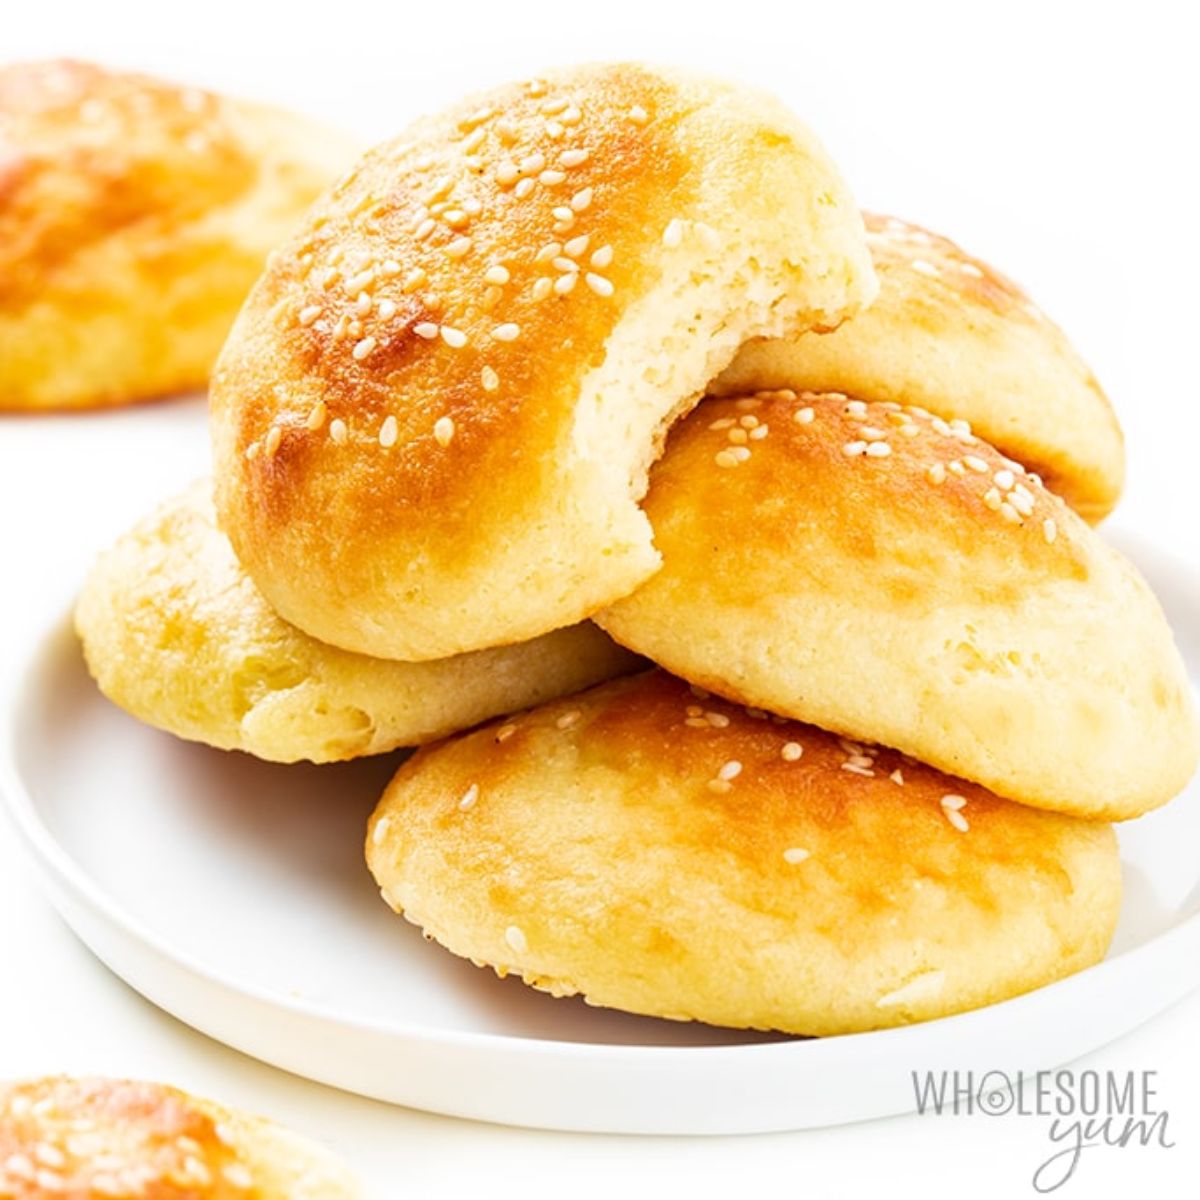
x=554, y=105
x=542, y=288
x=554, y=129
x=795, y=854
x=363, y=304
x=602, y=258
x=337, y=431
x=878, y=450
x=738, y=436
x=1004, y=479
x=563, y=213
x=389, y=431
x=565, y=284
x=458, y=248
x=940, y=426
x=551, y=177
x=523, y=188
x=443, y=430
x=562, y=263
x=274, y=437
x=936, y=473
x=717, y=720
x=1010, y=514
x=897, y=776
x=426, y=329
x=497, y=275
x=237, y=1175
x=725, y=458
x=855, y=769
x=731, y=770
x=582, y=200
x=722, y=423
x=316, y=416
x=516, y=939
x=253, y=450
x=957, y=820
x=362, y=348
x=489, y=379
x=380, y=830
x=508, y=332
x=536, y=87
x=696, y=723
x=414, y=279
x=455, y=218
x=389, y=267
x=956, y=468
x=869, y=433
x=531, y=164
x=469, y=797
x=507, y=173
x=454, y=338
x=1049, y=530
x=549, y=251
x=1022, y=501
x=568, y=719
x=854, y=449
x=505, y=732
x=721, y=786
x=571, y=116
x=574, y=158
x=386, y=310
x=673, y=234
x=924, y=268
x=976, y=464
x=968, y=268
x=425, y=229
x=638, y=115
x=954, y=802
x=576, y=246
x=855, y=408
x=992, y=498
x=310, y=314
x=599, y=285
x=759, y=433
x=804, y=416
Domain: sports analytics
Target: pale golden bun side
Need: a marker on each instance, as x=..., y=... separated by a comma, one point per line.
x=134, y=217
x=95, y=1139
x=666, y=853
x=175, y=633
x=950, y=333
x=886, y=575
x=425, y=443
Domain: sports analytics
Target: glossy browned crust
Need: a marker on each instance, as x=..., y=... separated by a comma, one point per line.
x=636, y=838
x=357, y=522
x=95, y=1139
x=134, y=216
x=950, y=332
x=936, y=598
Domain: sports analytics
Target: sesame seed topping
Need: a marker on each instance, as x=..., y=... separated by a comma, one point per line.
x=564, y=284
x=638, y=115
x=956, y=468
x=969, y=268
x=310, y=314
x=443, y=430
x=1004, y=479
x=238, y=1175
x=804, y=416
x=273, y=438
x=458, y=248
x=897, y=776
x=554, y=129
x=721, y=786
x=854, y=449
x=976, y=464
x=562, y=263
x=531, y=164
x=1022, y=501
x=380, y=830
x=542, y=288
x=524, y=187
x=574, y=158
x=791, y=751
x=337, y=431
x=389, y=431
x=992, y=498
x=469, y=797
x=386, y=310
x=954, y=802
x=549, y=252
x=414, y=279
x=563, y=213
x=363, y=304
x=426, y=227
x=731, y=770
x=795, y=854
x=554, y=105
x=603, y=257
x=455, y=338
x=508, y=332
x=516, y=939
x=856, y=769
x=757, y=434
x=1010, y=514
x=454, y=217
x=551, y=177
x=599, y=285
x=568, y=719
x=878, y=450
x=576, y=246
x=957, y=820
x=489, y=379
x=362, y=348
x=507, y=173
x=936, y=473
x=717, y=720
x=582, y=200
x=1049, y=530
x=505, y=732
x=426, y=329
x=497, y=275
x=673, y=234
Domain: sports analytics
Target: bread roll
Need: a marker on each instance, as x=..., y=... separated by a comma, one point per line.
x=93, y=1139
x=176, y=634
x=434, y=417
x=666, y=853
x=134, y=216
x=891, y=577
x=950, y=333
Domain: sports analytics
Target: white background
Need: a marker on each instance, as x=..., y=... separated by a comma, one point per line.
x=1058, y=141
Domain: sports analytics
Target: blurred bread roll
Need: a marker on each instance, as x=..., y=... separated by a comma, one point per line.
x=434, y=417
x=134, y=216
x=663, y=852
x=93, y=1139
x=883, y=574
x=175, y=633
x=950, y=333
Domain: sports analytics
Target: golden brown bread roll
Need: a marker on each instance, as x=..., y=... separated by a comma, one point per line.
x=950, y=333
x=175, y=633
x=889, y=576
x=666, y=853
x=95, y=1139
x=134, y=216
x=434, y=416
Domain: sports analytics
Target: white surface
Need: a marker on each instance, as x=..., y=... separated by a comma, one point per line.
x=1056, y=140
x=345, y=994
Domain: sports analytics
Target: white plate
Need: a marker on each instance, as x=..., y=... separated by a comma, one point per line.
x=233, y=894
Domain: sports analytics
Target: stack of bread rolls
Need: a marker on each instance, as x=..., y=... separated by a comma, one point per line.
x=600, y=381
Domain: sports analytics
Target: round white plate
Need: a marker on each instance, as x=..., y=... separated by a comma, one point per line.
x=233, y=894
